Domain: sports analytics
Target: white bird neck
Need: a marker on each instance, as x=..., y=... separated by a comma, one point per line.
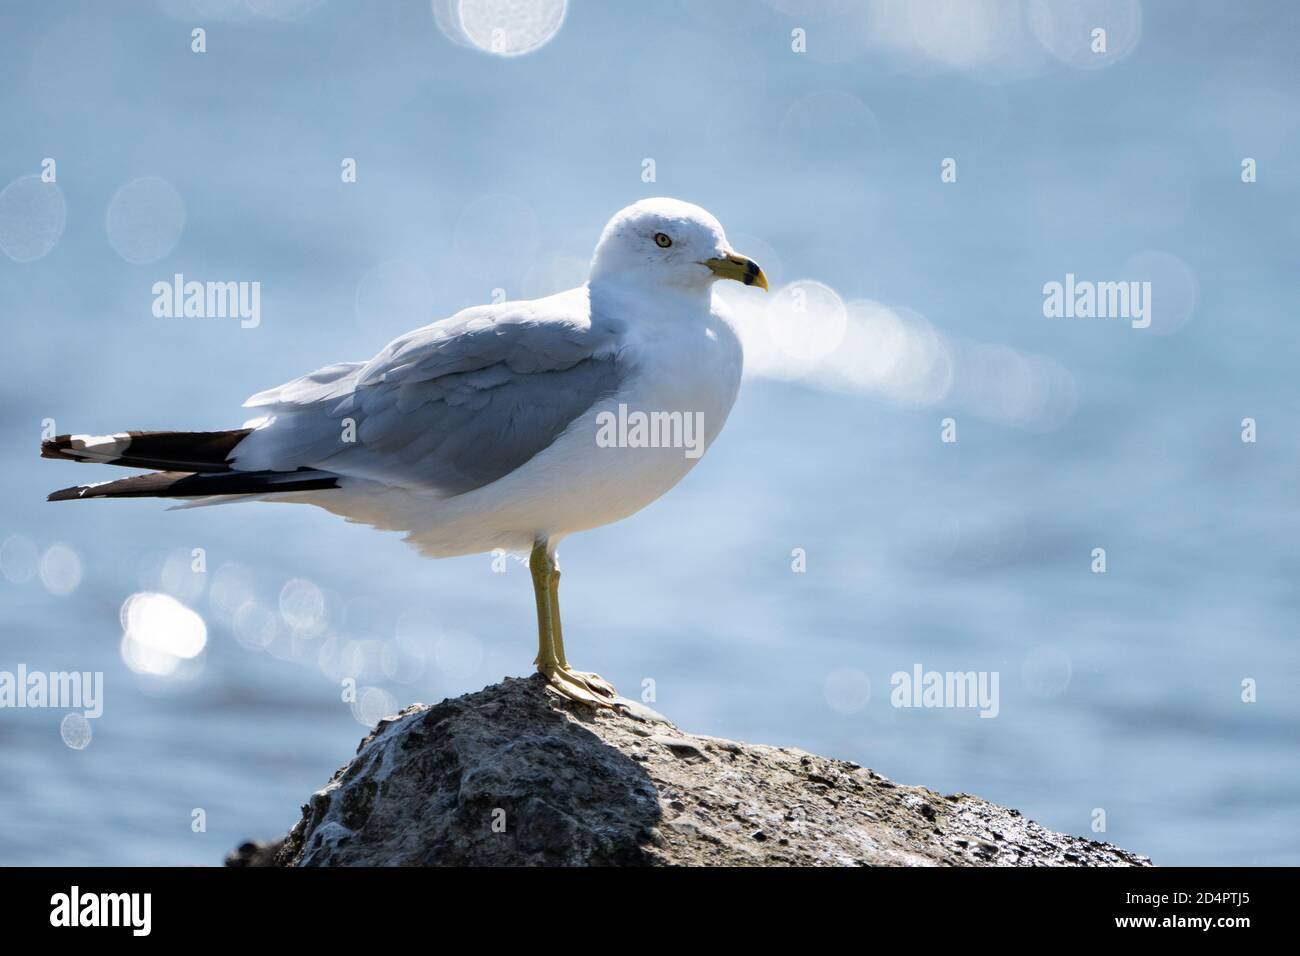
x=644, y=302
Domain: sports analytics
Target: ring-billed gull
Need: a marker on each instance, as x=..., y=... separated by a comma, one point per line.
x=505, y=426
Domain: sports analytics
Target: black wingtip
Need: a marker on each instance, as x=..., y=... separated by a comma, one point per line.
x=55, y=447
x=68, y=494
x=184, y=484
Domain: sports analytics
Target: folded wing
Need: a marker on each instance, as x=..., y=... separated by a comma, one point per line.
x=448, y=408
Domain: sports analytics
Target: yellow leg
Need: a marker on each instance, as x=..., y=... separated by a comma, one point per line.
x=551, y=661
x=553, y=608
x=593, y=681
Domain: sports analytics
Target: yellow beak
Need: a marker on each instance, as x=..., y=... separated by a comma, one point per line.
x=735, y=266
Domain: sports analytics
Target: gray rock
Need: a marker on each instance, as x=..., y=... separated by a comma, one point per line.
x=512, y=775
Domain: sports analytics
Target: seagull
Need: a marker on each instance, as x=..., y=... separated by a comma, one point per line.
x=507, y=426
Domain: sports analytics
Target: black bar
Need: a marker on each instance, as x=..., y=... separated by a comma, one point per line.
x=378, y=906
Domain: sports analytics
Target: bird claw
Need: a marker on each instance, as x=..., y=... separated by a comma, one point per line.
x=580, y=686
x=596, y=683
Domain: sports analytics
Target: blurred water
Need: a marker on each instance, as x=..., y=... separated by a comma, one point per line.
x=1119, y=691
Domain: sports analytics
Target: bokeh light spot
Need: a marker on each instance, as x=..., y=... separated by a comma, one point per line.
x=847, y=690
x=18, y=558
x=160, y=634
x=1174, y=289
x=145, y=220
x=75, y=731
x=500, y=27
x=60, y=569
x=372, y=705
x=302, y=605
x=806, y=320
x=1066, y=30
x=255, y=625
x=32, y=216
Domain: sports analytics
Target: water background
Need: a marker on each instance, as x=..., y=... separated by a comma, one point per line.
x=1119, y=691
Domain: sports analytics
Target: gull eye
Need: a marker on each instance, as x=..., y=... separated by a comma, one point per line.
x=662, y=241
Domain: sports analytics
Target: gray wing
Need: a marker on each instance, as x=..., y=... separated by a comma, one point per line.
x=447, y=408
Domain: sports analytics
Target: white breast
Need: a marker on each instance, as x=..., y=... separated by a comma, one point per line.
x=689, y=367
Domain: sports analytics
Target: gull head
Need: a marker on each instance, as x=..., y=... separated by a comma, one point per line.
x=667, y=242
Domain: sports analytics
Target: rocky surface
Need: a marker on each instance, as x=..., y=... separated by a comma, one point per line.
x=512, y=775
